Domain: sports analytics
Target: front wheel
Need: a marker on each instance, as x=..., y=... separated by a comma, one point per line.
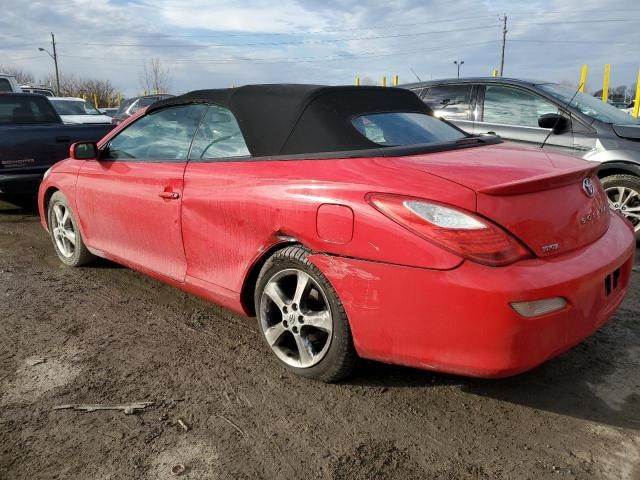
x=65, y=234
x=302, y=319
x=623, y=192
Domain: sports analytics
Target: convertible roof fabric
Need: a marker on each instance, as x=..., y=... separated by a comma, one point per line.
x=298, y=119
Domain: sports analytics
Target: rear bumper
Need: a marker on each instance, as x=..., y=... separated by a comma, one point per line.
x=460, y=321
x=20, y=183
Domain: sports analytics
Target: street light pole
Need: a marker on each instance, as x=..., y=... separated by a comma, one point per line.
x=459, y=63
x=55, y=61
x=54, y=56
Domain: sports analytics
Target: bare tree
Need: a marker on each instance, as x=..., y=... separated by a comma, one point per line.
x=22, y=76
x=90, y=89
x=155, y=77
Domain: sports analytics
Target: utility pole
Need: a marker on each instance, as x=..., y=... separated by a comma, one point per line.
x=55, y=61
x=504, y=42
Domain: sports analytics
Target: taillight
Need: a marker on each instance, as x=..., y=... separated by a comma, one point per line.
x=458, y=231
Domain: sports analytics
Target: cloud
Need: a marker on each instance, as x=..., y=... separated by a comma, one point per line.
x=210, y=44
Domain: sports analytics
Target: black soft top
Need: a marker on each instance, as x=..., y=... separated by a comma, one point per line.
x=298, y=119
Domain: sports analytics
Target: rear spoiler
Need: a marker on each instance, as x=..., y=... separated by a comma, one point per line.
x=539, y=183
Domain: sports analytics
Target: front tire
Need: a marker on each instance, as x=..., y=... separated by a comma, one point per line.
x=623, y=192
x=302, y=319
x=65, y=234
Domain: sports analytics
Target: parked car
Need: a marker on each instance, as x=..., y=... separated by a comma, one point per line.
x=32, y=138
x=77, y=110
x=528, y=111
x=8, y=83
x=628, y=108
x=40, y=90
x=109, y=111
x=350, y=221
x=130, y=106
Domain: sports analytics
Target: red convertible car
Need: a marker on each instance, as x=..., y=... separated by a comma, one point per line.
x=352, y=223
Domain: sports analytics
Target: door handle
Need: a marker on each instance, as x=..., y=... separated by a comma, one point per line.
x=63, y=139
x=169, y=195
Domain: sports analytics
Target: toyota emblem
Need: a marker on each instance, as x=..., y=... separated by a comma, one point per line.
x=587, y=186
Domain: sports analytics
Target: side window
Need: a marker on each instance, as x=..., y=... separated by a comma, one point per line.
x=219, y=136
x=449, y=101
x=162, y=135
x=5, y=85
x=512, y=106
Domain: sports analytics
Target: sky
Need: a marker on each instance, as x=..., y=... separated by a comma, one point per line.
x=220, y=43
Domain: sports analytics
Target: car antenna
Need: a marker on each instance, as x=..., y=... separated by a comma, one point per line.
x=412, y=71
x=566, y=107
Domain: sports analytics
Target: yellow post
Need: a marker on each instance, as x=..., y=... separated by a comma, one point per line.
x=84, y=97
x=357, y=81
x=605, y=83
x=384, y=81
x=95, y=100
x=396, y=80
x=583, y=77
x=145, y=91
x=494, y=73
x=636, y=105
x=119, y=100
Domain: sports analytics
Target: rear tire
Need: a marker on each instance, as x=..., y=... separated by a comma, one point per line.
x=65, y=234
x=623, y=192
x=302, y=319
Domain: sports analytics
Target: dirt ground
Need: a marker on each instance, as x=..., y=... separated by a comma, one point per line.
x=108, y=335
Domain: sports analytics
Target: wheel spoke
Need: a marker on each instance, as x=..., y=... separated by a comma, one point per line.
x=301, y=286
x=71, y=236
x=320, y=320
x=634, y=215
x=273, y=333
x=65, y=217
x=306, y=356
x=272, y=290
x=57, y=211
x=620, y=194
x=633, y=209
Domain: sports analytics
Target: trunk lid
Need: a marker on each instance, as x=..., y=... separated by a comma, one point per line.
x=543, y=199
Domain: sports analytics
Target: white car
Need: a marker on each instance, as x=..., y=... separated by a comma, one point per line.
x=76, y=110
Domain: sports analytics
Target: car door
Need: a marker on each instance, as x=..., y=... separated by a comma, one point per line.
x=453, y=102
x=217, y=238
x=129, y=199
x=512, y=112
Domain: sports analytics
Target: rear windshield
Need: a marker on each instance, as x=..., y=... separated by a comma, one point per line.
x=74, y=107
x=27, y=110
x=405, y=128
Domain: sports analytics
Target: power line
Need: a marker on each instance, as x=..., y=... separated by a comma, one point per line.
x=232, y=61
x=302, y=42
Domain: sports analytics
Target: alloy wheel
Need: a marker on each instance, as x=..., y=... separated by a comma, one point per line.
x=63, y=230
x=627, y=202
x=296, y=318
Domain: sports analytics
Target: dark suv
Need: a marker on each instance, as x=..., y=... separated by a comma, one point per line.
x=528, y=111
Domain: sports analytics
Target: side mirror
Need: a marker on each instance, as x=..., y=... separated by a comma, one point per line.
x=555, y=121
x=84, y=151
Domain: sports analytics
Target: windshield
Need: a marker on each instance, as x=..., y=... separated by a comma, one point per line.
x=74, y=107
x=402, y=128
x=588, y=105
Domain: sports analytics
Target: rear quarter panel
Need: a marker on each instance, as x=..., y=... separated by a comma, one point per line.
x=234, y=211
